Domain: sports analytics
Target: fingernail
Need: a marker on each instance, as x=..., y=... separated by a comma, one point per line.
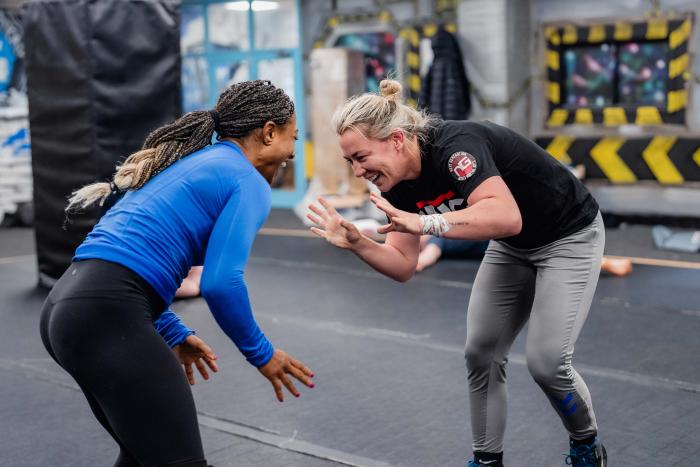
x=297, y=395
x=312, y=385
x=312, y=375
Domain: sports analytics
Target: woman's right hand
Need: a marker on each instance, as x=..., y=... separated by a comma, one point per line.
x=279, y=367
x=194, y=350
x=332, y=226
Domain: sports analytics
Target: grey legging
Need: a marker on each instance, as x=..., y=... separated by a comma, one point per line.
x=552, y=287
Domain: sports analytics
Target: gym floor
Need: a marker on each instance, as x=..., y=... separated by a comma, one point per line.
x=388, y=358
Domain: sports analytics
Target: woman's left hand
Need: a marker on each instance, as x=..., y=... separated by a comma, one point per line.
x=400, y=221
x=332, y=226
x=195, y=351
x=278, y=369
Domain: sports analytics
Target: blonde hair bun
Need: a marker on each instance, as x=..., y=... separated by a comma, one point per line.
x=391, y=89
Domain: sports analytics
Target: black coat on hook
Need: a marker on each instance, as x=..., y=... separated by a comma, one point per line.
x=445, y=89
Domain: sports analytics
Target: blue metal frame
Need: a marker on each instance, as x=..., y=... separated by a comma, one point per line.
x=281, y=198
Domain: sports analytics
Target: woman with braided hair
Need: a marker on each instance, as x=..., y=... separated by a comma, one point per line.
x=481, y=181
x=187, y=202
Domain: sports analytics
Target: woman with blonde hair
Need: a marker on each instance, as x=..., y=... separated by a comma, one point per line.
x=480, y=181
x=187, y=202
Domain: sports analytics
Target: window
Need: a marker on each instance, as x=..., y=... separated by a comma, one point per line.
x=227, y=41
x=379, y=50
x=642, y=73
x=628, y=74
x=618, y=73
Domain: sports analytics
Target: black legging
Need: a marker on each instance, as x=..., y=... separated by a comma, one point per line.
x=97, y=323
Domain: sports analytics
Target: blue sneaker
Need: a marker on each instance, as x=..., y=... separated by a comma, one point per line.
x=587, y=455
x=474, y=463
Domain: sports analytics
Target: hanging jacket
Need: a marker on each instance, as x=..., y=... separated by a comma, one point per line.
x=445, y=89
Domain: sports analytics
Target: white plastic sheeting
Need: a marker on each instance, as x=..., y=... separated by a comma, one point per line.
x=15, y=160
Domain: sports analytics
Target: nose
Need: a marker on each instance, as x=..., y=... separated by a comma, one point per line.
x=357, y=169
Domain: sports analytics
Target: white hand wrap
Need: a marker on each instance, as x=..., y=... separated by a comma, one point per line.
x=434, y=224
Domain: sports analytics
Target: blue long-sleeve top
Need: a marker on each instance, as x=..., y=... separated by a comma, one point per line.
x=204, y=209
x=171, y=328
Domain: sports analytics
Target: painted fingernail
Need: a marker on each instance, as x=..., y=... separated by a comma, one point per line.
x=297, y=395
x=312, y=385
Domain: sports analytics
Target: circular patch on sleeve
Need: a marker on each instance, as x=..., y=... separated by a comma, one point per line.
x=462, y=165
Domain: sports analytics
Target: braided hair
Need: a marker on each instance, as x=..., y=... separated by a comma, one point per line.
x=241, y=108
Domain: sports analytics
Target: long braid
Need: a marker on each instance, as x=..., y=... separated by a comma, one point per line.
x=241, y=108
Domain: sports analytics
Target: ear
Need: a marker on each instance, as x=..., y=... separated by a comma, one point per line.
x=397, y=139
x=269, y=132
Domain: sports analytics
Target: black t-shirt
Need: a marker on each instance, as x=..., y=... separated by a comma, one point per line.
x=459, y=155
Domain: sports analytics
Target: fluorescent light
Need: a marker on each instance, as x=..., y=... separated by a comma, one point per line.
x=258, y=5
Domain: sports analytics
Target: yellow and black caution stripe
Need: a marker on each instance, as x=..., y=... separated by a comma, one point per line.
x=670, y=160
x=676, y=32
x=412, y=38
x=445, y=9
x=381, y=17
x=412, y=35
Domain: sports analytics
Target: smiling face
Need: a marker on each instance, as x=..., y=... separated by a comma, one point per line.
x=278, y=146
x=384, y=163
x=284, y=140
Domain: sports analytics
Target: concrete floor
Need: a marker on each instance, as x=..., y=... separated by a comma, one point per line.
x=390, y=375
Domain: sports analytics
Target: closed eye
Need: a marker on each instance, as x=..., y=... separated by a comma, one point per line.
x=359, y=159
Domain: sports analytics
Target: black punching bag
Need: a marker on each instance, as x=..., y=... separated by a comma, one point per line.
x=101, y=74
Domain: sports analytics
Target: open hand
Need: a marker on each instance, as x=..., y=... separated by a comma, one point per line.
x=400, y=221
x=279, y=367
x=332, y=226
x=195, y=351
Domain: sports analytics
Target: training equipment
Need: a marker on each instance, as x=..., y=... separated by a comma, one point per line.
x=100, y=77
